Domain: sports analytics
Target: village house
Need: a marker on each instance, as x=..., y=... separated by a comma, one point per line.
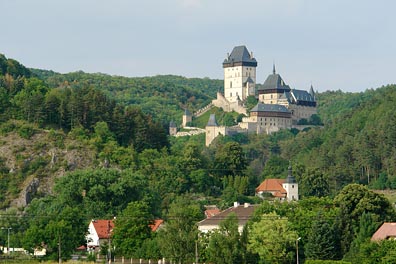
x=100, y=231
x=243, y=213
x=385, y=231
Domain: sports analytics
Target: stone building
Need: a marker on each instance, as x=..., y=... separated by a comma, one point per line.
x=279, y=106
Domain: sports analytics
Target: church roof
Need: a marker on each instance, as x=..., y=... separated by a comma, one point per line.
x=241, y=55
x=212, y=120
x=260, y=107
x=301, y=95
x=273, y=186
x=274, y=81
x=290, y=178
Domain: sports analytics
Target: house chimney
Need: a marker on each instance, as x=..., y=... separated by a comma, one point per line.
x=251, y=55
x=236, y=204
x=246, y=205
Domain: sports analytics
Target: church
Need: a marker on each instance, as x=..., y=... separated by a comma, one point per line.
x=278, y=107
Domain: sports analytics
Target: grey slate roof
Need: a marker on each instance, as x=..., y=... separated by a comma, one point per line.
x=240, y=54
x=274, y=81
x=172, y=124
x=260, y=107
x=312, y=92
x=290, y=178
x=186, y=112
x=212, y=120
x=301, y=95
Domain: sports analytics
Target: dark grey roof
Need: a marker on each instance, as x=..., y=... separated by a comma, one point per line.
x=212, y=120
x=301, y=95
x=249, y=80
x=290, y=178
x=260, y=107
x=274, y=81
x=240, y=54
x=172, y=124
x=186, y=112
x=312, y=92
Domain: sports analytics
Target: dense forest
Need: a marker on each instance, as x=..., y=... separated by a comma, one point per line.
x=92, y=146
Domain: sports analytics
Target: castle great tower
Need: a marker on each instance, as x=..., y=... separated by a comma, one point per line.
x=239, y=74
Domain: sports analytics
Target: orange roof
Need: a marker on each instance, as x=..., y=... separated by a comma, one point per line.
x=212, y=212
x=156, y=224
x=272, y=185
x=103, y=227
x=386, y=231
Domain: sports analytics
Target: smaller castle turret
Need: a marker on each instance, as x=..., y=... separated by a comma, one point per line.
x=172, y=128
x=187, y=118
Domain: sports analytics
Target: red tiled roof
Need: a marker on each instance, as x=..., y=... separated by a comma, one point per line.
x=103, y=227
x=387, y=230
x=156, y=224
x=212, y=212
x=273, y=186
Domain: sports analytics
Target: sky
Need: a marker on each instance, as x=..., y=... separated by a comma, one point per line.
x=347, y=45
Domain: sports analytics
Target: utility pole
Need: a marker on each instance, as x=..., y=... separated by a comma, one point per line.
x=297, y=249
x=59, y=249
x=8, y=238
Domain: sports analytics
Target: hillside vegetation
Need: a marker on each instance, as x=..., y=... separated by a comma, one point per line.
x=76, y=147
x=164, y=97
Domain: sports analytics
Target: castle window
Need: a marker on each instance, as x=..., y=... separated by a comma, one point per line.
x=292, y=186
x=231, y=86
x=230, y=94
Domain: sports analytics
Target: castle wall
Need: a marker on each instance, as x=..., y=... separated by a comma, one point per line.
x=227, y=106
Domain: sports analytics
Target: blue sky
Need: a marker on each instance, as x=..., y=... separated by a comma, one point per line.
x=333, y=44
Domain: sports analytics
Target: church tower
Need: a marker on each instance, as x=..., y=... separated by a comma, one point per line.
x=239, y=74
x=291, y=186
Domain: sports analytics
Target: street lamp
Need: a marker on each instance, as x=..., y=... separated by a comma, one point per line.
x=8, y=238
x=298, y=239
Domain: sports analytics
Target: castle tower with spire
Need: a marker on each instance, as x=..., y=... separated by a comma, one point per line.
x=291, y=186
x=239, y=74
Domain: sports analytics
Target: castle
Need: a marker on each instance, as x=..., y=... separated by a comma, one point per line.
x=278, y=107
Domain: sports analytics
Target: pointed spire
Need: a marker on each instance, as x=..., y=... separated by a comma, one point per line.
x=290, y=178
x=273, y=69
x=312, y=92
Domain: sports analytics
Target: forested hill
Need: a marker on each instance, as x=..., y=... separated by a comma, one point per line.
x=358, y=144
x=164, y=96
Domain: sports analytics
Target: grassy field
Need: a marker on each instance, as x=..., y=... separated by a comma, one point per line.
x=390, y=194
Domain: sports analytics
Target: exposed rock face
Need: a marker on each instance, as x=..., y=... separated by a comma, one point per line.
x=31, y=190
x=38, y=161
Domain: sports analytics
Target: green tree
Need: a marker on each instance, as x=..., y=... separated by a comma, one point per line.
x=314, y=183
x=322, y=242
x=230, y=159
x=272, y=239
x=354, y=200
x=177, y=239
x=224, y=243
x=132, y=228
